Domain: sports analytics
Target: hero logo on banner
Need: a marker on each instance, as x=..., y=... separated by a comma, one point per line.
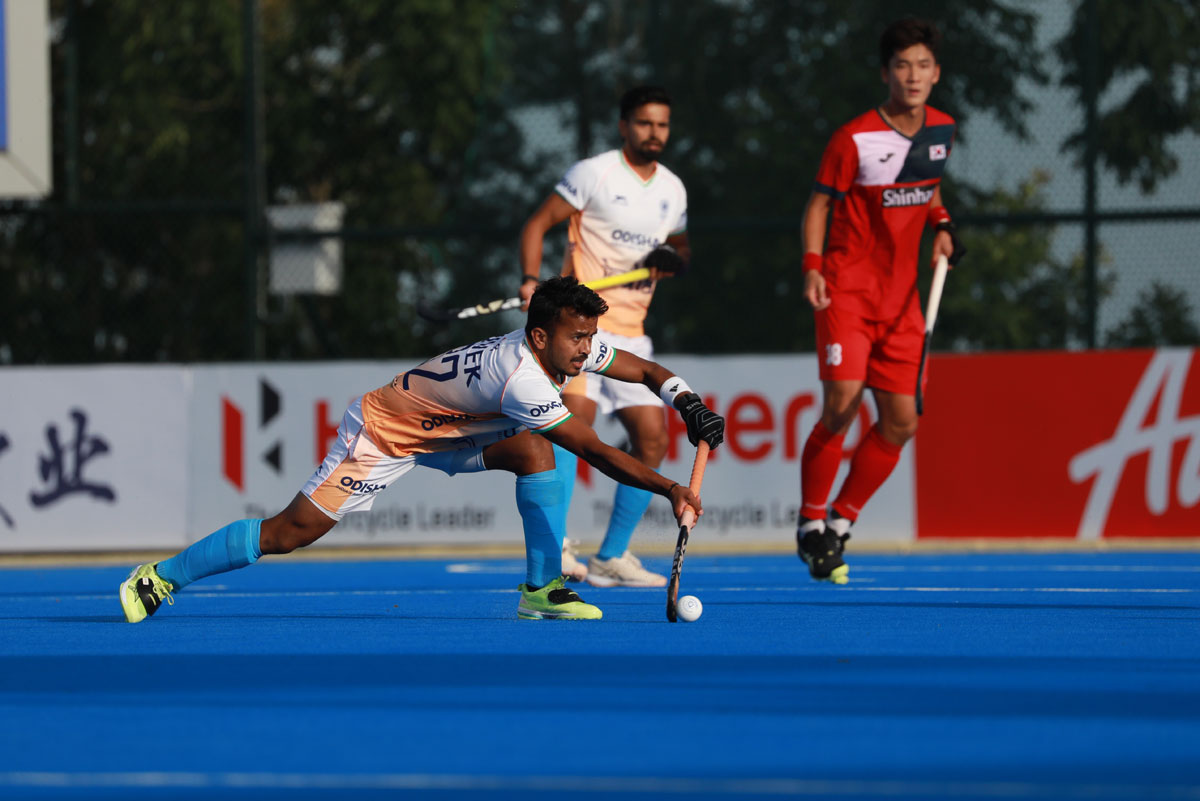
x=233, y=435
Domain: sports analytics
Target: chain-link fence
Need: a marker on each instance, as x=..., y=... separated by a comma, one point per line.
x=287, y=180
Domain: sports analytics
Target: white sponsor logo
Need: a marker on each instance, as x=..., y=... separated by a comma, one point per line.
x=937, y=152
x=1164, y=379
x=906, y=197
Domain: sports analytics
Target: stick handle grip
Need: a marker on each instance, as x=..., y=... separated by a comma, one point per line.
x=688, y=518
x=935, y=292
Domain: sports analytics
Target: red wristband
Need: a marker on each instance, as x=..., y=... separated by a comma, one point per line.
x=812, y=261
x=937, y=214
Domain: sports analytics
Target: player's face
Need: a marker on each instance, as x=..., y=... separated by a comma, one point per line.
x=910, y=77
x=647, y=130
x=569, y=343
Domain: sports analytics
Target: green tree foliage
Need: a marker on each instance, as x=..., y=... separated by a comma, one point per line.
x=1012, y=292
x=380, y=105
x=1162, y=316
x=416, y=115
x=1146, y=60
x=131, y=279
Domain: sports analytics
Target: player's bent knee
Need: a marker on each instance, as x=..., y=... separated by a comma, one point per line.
x=839, y=420
x=899, y=432
x=650, y=447
x=523, y=454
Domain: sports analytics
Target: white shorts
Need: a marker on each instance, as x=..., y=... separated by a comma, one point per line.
x=609, y=394
x=355, y=470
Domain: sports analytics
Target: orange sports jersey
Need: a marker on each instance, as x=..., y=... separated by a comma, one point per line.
x=619, y=219
x=484, y=388
x=881, y=182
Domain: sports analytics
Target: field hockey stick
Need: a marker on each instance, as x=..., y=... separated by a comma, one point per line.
x=686, y=521
x=931, y=310
x=504, y=304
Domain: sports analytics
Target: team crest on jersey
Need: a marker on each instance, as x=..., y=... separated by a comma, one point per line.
x=663, y=210
x=937, y=152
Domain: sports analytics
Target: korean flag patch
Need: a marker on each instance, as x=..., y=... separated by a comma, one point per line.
x=937, y=152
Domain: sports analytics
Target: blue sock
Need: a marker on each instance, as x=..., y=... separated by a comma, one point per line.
x=629, y=504
x=225, y=549
x=540, y=502
x=564, y=465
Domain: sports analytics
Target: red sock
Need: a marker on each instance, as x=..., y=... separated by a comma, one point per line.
x=872, y=464
x=819, y=464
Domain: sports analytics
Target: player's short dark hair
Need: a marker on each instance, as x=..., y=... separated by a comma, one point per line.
x=639, y=96
x=904, y=33
x=558, y=293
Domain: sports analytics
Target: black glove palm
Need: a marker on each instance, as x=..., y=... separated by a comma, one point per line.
x=702, y=422
x=665, y=259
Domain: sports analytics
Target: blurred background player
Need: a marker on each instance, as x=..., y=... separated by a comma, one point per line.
x=880, y=176
x=473, y=408
x=626, y=211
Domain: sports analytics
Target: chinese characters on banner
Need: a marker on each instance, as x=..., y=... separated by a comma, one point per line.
x=62, y=465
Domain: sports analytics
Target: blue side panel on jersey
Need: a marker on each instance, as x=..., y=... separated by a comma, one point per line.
x=3, y=79
x=927, y=157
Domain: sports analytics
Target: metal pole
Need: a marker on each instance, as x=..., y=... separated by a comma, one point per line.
x=254, y=179
x=1091, y=55
x=71, y=97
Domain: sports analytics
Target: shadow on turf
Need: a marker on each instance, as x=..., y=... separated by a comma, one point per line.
x=888, y=685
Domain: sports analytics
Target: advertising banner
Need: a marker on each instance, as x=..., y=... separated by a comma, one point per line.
x=1054, y=445
x=1062, y=445
x=93, y=458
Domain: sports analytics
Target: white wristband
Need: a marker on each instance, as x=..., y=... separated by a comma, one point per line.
x=672, y=388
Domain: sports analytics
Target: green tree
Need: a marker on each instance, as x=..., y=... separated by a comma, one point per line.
x=380, y=105
x=1162, y=316
x=1145, y=61
x=1012, y=292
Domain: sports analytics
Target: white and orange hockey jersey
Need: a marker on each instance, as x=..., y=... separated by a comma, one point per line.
x=619, y=219
x=481, y=389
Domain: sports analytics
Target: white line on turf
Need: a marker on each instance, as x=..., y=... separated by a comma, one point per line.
x=805, y=588
x=843, y=588
x=908, y=568
x=597, y=784
x=496, y=568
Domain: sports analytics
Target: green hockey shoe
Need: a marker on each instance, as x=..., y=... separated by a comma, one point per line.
x=143, y=592
x=555, y=602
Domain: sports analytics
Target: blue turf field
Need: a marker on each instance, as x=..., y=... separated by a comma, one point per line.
x=927, y=677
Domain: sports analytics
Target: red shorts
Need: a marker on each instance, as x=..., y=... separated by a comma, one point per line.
x=884, y=355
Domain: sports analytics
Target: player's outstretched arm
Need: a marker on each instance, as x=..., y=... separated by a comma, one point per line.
x=554, y=209
x=580, y=439
x=702, y=422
